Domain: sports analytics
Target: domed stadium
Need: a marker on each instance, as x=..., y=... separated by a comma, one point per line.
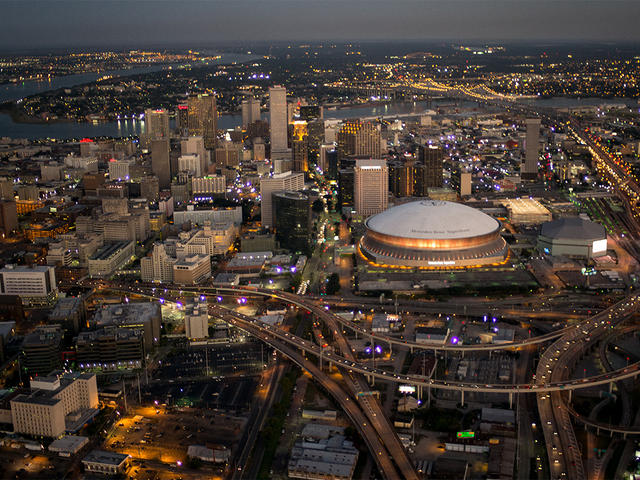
x=434, y=234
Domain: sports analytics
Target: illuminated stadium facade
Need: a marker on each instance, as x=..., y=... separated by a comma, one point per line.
x=433, y=234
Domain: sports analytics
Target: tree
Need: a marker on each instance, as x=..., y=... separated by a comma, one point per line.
x=333, y=285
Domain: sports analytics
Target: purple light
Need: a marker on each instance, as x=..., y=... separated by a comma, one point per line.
x=293, y=269
x=367, y=350
x=484, y=319
x=242, y=300
x=219, y=299
x=162, y=301
x=454, y=340
x=494, y=319
x=378, y=349
x=278, y=269
x=202, y=298
x=178, y=305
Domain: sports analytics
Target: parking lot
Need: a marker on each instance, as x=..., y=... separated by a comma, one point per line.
x=161, y=434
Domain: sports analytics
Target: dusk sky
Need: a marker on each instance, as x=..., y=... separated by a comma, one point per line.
x=78, y=23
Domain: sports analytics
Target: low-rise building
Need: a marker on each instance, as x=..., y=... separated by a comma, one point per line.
x=333, y=458
x=110, y=348
x=142, y=316
x=35, y=285
x=110, y=257
x=57, y=403
x=196, y=320
x=108, y=463
x=192, y=270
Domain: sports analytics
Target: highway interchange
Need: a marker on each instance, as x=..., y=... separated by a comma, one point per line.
x=551, y=385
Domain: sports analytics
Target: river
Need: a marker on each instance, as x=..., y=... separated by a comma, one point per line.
x=125, y=128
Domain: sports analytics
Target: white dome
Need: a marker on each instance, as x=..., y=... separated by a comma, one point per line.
x=435, y=220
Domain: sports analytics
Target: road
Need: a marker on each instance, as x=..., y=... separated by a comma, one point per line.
x=345, y=400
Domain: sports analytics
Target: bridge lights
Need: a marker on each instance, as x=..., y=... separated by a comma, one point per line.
x=455, y=340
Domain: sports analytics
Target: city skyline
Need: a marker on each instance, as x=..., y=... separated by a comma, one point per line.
x=75, y=23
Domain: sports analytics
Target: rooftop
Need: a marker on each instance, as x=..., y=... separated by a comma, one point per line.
x=428, y=219
x=109, y=458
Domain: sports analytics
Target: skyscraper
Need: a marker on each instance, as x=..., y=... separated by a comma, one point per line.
x=156, y=123
x=345, y=189
x=277, y=183
x=292, y=219
x=278, y=118
x=359, y=138
x=250, y=111
x=203, y=118
x=432, y=158
x=160, y=163
x=299, y=147
x=529, y=169
x=371, y=186
x=195, y=146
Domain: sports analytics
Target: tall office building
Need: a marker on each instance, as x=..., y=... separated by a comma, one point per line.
x=328, y=160
x=203, y=118
x=359, y=138
x=278, y=183
x=345, y=189
x=156, y=123
x=195, y=146
x=8, y=217
x=278, y=118
x=529, y=169
x=250, y=111
x=371, y=186
x=432, y=158
x=401, y=178
x=160, y=162
x=182, y=120
x=292, y=220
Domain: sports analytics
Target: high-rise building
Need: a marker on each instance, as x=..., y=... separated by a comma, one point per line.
x=203, y=118
x=278, y=183
x=529, y=169
x=195, y=146
x=292, y=220
x=345, y=189
x=156, y=123
x=461, y=182
x=182, y=120
x=299, y=152
x=120, y=170
x=150, y=188
x=278, y=118
x=328, y=160
x=401, y=178
x=191, y=164
x=8, y=217
x=359, y=138
x=160, y=162
x=250, y=111
x=371, y=186
x=157, y=267
x=432, y=158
